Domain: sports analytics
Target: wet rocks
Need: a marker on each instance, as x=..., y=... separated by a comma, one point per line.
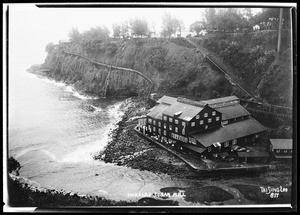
x=128, y=149
x=25, y=195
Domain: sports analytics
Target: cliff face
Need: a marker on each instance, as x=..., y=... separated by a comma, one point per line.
x=174, y=69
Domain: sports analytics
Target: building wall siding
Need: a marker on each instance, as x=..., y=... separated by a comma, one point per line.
x=201, y=121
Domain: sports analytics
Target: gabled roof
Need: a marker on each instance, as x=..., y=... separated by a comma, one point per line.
x=220, y=100
x=282, y=143
x=167, y=99
x=191, y=102
x=229, y=132
x=187, y=111
x=156, y=111
x=230, y=112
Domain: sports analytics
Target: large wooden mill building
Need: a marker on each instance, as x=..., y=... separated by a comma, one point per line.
x=202, y=128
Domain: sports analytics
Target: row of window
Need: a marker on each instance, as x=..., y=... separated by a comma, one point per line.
x=208, y=121
x=206, y=115
x=176, y=121
x=226, y=144
x=179, y=137
x=225, y=122
x=278, y=151
x=165, y=127
x=201, y=122
x=183, y=123
x=159, y=123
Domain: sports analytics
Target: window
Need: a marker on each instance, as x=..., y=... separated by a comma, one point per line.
x=209, y=149
x=217, y=118
x=233, y=141
x=180, y=148
x=257, y=135
x=149, y=127
x=214, y=113
x=225, y=122
x=278, y=151
x=165, y=125
x=201, y=122
x=192, y=140
x=154, y=122
x=183, y=132
x=165, y=118
x=285, y=151
x=154, y=129
x=159, y=131
x=165, y=132
x=205, y=114
x=193, y=124
x=209, y=120
x=197, y=116
x=159, y=124
x=226, y=144
x=206, y=127
x=170, y=119
x=176, y=129
x=176, y=121
x=183, y=123
x=170, y=127
x=149, y=120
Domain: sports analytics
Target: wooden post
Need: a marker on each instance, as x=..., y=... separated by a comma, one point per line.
x=107, y=81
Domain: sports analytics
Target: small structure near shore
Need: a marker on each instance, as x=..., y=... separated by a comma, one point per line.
x=203, y=129
x=282, y=149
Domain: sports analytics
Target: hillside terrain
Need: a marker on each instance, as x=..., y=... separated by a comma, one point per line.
x=252, y=58
x=175, y=68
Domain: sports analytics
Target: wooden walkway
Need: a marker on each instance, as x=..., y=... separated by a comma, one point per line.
x=204, y=166
x=110, y=66
x=196, y=165
x=281, y=112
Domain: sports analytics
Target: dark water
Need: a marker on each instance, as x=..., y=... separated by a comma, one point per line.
x=53, y=133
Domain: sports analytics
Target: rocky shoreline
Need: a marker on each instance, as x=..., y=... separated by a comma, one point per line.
x=23, y=194
x=126, y=148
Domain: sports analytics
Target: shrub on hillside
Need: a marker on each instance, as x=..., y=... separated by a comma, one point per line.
x=156, y=57
x=111, y=49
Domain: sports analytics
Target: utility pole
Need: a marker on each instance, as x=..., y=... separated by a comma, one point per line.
x=279, y=33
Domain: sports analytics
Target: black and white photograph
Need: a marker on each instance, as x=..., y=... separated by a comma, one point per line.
x=141, y=107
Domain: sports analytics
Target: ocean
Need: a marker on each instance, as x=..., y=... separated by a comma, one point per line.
x=53, y=131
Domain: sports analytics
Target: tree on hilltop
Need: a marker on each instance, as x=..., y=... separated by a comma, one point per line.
x=139, y=27
x=170, y=25
x=197, y=27
x=74, y=35
x=116, y=30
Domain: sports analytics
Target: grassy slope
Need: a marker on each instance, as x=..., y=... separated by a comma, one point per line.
x=254, y=62
x=174, y=69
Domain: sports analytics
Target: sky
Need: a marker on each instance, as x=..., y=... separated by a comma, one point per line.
x=32, y=28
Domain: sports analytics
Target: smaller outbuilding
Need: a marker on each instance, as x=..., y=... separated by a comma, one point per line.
x=253, y=156
x=282, y=148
